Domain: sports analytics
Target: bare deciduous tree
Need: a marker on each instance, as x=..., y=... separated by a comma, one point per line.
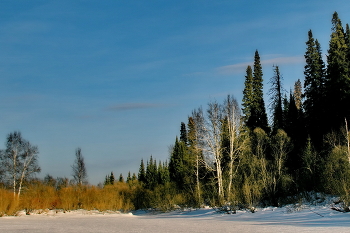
x=19, y=161
x=195, y=146
x=347, y=138
x=236, y=144
x=79, y=169
x=209, y=131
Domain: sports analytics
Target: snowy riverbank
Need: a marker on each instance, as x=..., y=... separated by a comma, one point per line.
x=292, y=218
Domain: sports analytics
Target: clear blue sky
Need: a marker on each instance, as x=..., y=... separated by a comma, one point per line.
x=117, y=78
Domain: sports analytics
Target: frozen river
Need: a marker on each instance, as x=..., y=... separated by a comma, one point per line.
x=321, y=219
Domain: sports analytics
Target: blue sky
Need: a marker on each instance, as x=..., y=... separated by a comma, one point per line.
x=117, y=78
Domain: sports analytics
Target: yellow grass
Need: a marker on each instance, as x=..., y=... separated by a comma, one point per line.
x=39, y=196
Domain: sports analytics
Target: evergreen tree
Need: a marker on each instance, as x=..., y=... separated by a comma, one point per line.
x=163, y=173
x=111, y=178
x=134, y=177
x=128, y=179
x=258, y=116
x=337, y=82
x=121, y=178
x=314, y=93
x=151, y=174
x=247, y=95
x=347, y=41
x=106, y=182
x=142, y=172
x=295, y=128
x=276, y=100
x=285, y=111
x=177, y=167
x=183, y=133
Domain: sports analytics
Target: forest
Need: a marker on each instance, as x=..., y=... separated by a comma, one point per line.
x=226, y=155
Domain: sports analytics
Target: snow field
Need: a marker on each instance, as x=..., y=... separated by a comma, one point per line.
x=287, y=219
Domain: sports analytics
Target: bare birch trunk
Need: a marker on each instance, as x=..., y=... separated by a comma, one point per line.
x=214, y=142
x=14, y=177
x=347, y=138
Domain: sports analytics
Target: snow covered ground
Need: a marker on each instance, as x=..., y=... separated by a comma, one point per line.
x=294, y=219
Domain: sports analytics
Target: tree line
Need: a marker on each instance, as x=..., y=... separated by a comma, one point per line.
x=227, y=154
x=231, y=155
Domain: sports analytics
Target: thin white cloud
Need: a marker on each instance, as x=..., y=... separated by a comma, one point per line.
x=233, y=69
x=131, y=106
x=241, y=67
x=283, y=60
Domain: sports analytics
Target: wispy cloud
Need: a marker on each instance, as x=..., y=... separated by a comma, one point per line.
x=241, y=67
x=131, y=106
x=233, y=69
x=283, y=60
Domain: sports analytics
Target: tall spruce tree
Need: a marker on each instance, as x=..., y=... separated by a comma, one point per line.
x=258, y=116
x=295, y=128
x=183, y=133
x=142, y=172
x=177, y=164
x=276, y=100
x=253, y=97
x=314, y=90
x=163, y=173
x=347, y=41
x=111, y=178
x=151, y=174
x=128, y=179
x=337, y=82
x=121, y=178
x=247, y=100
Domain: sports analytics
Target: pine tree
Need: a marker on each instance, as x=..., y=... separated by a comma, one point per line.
x=111, y=178
x=247, y=95
x=142, y=172
x=151, y=174
x=177, y=167
x=295, y=128
x=347, y=41
x=314, y=86
x=121, y=178
x=338, y=82
x=134, y=177
x=258, y=116
x=128, y=179
x=183, y=133
x=276, y=100
x=163, y=173
x=106, y=182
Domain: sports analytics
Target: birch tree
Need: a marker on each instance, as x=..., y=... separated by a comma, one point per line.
x=210, y=138
x=79, y=169
x=19, y=161
x=280, y=147
x=196, y=148
x=233, y=118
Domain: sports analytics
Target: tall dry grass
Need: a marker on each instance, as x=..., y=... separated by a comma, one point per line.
x=39, y=196
x=8, y=203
